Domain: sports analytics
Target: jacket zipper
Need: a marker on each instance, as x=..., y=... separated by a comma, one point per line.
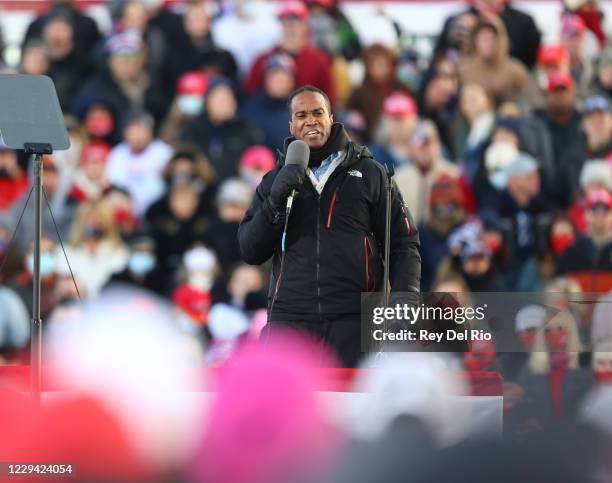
x=331, y=208
x=319, y=309
x=318, y=253
x=408, y=229
x=367, y=263
x=369, y=273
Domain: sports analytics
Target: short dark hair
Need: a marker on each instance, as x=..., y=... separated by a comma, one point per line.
x=307, y=88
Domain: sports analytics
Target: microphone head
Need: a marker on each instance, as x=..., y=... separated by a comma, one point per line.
x=298, y=152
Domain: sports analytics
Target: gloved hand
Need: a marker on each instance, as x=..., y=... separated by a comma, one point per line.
x=290, y=177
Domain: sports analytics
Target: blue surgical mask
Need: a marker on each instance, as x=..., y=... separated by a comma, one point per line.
x=498, y=179
x=190, y=105
x=141, y=263
x=47, y=263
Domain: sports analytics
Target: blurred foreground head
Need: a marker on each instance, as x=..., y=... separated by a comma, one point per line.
x=266, y=424
x=124, y=353
x=416, y=385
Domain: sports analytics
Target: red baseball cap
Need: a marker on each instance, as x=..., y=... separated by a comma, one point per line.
x=558, y=80
x=599, y=197
x=192, y=83
x=293, y=9
x=258, y=157
x=95, y=151
x=399, y=104
x=554, y=54
x=445, y=190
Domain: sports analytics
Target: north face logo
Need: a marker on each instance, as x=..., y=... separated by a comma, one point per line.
x=355, y=173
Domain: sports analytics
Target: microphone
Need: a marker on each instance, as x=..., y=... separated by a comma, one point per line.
x=298, y=152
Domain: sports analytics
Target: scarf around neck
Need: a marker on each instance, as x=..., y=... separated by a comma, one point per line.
x=337, y=141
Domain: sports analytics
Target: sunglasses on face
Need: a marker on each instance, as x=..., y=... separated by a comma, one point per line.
x=599, y=207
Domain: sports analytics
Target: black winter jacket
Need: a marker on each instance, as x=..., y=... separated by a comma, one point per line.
x=334, y=243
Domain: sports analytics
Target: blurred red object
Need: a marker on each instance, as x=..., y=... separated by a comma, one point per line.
x=79, y=432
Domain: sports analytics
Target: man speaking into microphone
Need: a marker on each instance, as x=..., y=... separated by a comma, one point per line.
x=328, y=248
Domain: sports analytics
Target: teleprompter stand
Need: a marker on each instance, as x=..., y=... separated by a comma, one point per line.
x=31, y=120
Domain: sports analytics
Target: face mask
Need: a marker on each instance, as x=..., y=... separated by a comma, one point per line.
x=47, y=263
x=124, y=217
x=201, y=281
x=498, y=179
x=100, y=126
x=561, y=241
x=557, y=339
x=93, y=232
x=476, y=365
x=180, y=178
x=444, y=211
x=408, y=74
x=141, y=263
x=604, y=377
x=190, y=105
x=493, y=243
x=527, y=338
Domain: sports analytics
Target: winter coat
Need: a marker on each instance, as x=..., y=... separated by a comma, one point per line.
x=105, y=90
x=415, y=185
x=270, y=115
x=589, y=264
x=524, y=36
x=504, y=78
x=568, y=146
x=368, y=99
x=334, y=242
x=313, y=66
x=223, y=144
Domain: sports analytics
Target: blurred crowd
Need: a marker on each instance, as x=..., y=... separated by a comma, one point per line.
x=267, y=419
x=501, y=145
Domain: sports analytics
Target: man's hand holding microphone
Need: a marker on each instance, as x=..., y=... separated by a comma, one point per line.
x=289, y=179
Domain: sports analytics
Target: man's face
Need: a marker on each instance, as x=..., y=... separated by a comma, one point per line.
x=138, y=135
x=476, y=266
x=8, y=163
x=295, y=34
x=197, y=21
x=605, y=76
x=599, y=220
x=311, y=120
x=489, y=6
x=400, y=127
x=57, y=35
x=135, y=16
x=560, y=101
x=279, y=83
x=380, y=68
x=221, y=105
x=425, y=153
x=183, y=203
x=94, y=169
x=486, y=43
x=126, y=67
x=443, y=85
x=527, y=185
x=598, y=126
x=35, y=61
